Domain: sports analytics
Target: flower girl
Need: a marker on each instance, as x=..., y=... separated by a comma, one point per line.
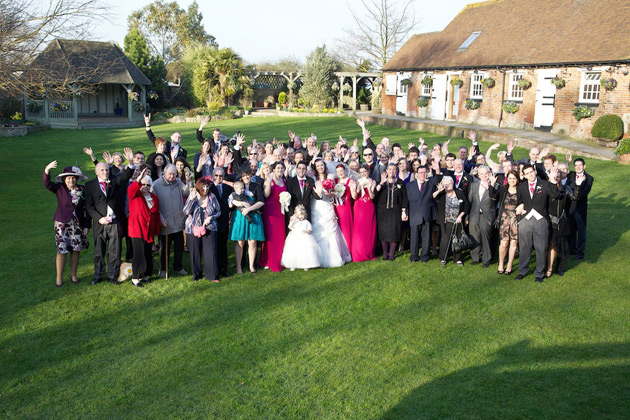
x=300, y=248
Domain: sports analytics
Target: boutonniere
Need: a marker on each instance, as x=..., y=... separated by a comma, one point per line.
x=107, y=182
x=460, y=201
x=397, y=186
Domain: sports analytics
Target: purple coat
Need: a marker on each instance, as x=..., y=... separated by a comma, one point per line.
x=65, y=208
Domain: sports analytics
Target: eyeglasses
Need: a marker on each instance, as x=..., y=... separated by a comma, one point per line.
x=146, y=185
x=218, y=176
x=368, y=154
x=253, y=154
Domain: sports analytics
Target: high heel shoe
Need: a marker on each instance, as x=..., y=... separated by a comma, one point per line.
x=500, y=271
x=74, y=281
x=507, y=272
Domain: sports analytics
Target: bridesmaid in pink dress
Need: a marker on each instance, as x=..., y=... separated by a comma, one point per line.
x=343, y=206
x=364, y=215
x=273, y=220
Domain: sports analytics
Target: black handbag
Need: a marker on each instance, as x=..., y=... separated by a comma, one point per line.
x=462, y=242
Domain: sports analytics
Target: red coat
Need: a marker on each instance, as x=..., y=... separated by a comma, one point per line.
x=143, y=223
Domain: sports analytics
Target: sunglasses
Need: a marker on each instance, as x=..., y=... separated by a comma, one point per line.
x=368, y=154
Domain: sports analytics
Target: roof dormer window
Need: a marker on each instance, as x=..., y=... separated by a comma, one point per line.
x=469, y=41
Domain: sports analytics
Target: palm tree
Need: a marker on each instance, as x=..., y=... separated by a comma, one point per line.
x=227, y=68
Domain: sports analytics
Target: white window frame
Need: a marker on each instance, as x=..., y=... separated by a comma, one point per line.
x=590, y=86
x=476, y=85
x=427, y=90
x=515, y=92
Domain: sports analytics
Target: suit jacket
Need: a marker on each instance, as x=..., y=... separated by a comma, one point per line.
x=223, y=221
x=297, y=197
x=167, y=152
x=540, y=200
x=213, y=146
x=581, y=204
x=422, y=206
x=465, y=181
x=96, y=202
x=486, y=207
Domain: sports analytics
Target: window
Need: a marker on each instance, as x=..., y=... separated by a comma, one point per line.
x=516, y=92
x=469, y=41
x=476, y=88
x=589, y=88
x=426, y=89
x=403, y=89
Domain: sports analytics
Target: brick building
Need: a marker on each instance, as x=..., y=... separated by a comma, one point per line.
x=563, y=47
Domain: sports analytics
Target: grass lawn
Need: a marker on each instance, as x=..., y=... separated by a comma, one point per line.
x=376, y=340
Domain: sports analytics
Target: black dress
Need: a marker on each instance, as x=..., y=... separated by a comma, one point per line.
x=390, y=200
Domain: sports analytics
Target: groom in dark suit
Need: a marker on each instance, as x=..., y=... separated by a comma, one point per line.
x=422, y=212
x=106, y=205
x=301, y=188
x=222, y=192
x=533, y=196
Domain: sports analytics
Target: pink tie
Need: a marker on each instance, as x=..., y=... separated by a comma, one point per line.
x=103, y=186
x=421, y=184
x=458, y=177
x=531, y=188
x=301, y=184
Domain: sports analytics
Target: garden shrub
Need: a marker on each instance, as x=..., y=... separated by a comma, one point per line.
x=608, y=127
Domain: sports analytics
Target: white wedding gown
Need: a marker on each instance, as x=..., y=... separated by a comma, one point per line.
x=328, y=235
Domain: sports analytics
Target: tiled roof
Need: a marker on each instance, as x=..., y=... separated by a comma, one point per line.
x=523, y=33
x=87, y=61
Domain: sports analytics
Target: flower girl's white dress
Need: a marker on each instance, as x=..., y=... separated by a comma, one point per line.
x=300, y=248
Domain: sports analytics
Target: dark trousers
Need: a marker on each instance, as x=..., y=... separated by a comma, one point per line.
x=482, y=232
x=222, y=253
x=107, y=240
x=205, y=245
x=175, y=244
x=445, y=243
x=577, y=239
x=533, y=233
x=142, y=261
x=420, y=233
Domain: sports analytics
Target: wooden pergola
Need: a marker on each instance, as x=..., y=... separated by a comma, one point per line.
x=293, y=77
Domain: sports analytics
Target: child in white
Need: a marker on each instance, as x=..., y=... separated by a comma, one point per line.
x=300, y=248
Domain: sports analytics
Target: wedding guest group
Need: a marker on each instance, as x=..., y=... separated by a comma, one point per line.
x=299, y=205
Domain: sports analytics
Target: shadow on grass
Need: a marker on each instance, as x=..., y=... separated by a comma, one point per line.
x=607, y=223
x=581, y=381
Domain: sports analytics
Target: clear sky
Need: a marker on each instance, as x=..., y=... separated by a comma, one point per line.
x=269, y=30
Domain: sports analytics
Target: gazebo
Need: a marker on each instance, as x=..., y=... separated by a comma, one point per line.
x=80, y=84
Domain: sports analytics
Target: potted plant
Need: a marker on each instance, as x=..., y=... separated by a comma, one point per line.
x=608, y=83
x=118, y=110
x=247, y=110
x=427, y=81
x=582, y=111
x=457, y=82
x=623, y=150
x=377, y=100
x=363, y=99
x=524, y=84
x=406, y=82
x=511, y=107
x=558, y=82
x=488, y=82
x=268, y=101
x=422, y=102
x=472, y=104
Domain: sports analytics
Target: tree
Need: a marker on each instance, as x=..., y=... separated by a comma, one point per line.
x=27, y=26
x=153, y=67
x=227, y=66
x=318, y=78
x=377, y=33
x=169, y=29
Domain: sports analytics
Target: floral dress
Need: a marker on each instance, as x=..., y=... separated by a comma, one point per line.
x=508, y=229
x=69, y=236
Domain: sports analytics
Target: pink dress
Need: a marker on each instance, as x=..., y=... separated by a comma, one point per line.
x=344, y=215
x=275, y=233
x=364, y=237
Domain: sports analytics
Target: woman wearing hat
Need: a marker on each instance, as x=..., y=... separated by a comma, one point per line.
x=71, y=219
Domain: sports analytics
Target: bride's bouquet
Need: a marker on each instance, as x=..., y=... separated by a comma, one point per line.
x=363, y=184
x=285, y=201
x=339, y=192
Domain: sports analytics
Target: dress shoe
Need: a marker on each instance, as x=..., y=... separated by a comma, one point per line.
x=560, y=273
x=194, y=279
x=486, y=265
x=539, y=279
x=181, y=272
x=414, y=260
x=96, y=281
x=162, y=274
x=114, y=281
x=461, y=264
x=474, y=262
x=146, y=280
x=519, y=277
x=385, y=257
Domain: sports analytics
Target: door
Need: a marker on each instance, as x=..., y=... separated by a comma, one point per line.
x=545, y=99
x=438, y=100
x=401, y=93
x=452, y=97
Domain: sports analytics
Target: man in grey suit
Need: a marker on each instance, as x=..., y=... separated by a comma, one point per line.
x=483, y=200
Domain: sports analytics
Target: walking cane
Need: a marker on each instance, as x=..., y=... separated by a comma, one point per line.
x=166, y=251
x=450, y=241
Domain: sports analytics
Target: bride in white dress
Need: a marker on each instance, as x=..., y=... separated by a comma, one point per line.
x=326, y=230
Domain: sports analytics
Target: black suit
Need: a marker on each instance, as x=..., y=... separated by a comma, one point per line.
x=223, y=225
x=167, y=151
x=422, y=213
x=531, y=232
x=301, y=197
x=107, y=236
x=463, y=183
x=577, y=213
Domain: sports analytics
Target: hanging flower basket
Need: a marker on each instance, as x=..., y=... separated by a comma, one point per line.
x=134, y=96
x=55, y=107
x=153, y=95
x=524, y=84
x=457, y=82
x=427, y=81
x=558, y=82
x=488, y=82
x=33, y=107
x=422, y=102
x=472, y=104
x=583, y=111
x=347, y=88
x=406, y=82
x=139, y=107
x=335, y=87
x=511, y=107
x=608, y=84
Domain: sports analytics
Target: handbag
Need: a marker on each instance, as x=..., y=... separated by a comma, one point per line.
x=198, y=227
x=462, y=242
x=199, y=231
